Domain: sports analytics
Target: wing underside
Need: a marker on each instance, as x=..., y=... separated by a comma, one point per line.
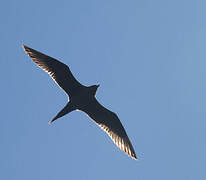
x=110, y=123
x=58, y=71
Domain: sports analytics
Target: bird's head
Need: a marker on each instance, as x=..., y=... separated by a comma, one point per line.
x=94, y=89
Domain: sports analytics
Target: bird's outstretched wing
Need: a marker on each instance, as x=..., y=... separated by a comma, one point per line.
x=58, y=71
x=111, y=124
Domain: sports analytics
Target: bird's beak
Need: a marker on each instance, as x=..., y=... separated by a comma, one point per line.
x=98, y=85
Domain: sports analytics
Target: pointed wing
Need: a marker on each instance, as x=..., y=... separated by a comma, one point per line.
x=111, y=124
x=58, y=71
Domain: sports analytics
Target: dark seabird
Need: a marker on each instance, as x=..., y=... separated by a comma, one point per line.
x=82, y=98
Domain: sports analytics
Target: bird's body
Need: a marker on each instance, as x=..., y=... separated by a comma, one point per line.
x=82, y=98
x=79, y=101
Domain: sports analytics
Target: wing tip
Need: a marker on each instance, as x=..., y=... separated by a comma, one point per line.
x=134, y=157
x=131, y=154
x=26, y=48
x=50, y=122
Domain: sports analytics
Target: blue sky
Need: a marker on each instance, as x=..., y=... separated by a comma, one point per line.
x=149, y=58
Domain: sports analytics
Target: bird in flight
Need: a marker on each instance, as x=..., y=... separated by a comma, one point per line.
x=82, y=98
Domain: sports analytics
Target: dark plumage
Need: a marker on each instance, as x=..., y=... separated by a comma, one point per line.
x=82, y=98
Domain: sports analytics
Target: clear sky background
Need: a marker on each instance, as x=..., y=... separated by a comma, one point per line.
x=150, y=60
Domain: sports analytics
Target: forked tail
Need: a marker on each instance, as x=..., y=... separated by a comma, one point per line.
x=67, y=109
